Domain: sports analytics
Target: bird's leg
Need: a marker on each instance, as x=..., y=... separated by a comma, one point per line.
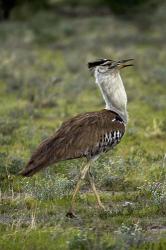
x=92, y=183
x=82, y=176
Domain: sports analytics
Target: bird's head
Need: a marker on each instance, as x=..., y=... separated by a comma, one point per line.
x=106, y=67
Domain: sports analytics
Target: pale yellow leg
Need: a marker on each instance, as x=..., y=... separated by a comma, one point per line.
x=82, y=176
x=92, y=183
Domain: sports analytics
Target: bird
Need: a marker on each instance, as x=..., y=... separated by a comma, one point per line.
x=90, y=134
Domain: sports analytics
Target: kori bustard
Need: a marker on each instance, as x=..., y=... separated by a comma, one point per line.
x=89, y=134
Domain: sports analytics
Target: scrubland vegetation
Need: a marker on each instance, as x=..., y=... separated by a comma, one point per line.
x=43, y=81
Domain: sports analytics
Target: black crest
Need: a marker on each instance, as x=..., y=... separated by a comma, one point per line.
x=103, y=62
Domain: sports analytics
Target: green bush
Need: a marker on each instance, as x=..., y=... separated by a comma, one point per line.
x=118, y=7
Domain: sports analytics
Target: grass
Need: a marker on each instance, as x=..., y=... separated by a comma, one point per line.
x=44, y=80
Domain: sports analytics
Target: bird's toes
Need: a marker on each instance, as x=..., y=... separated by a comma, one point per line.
x=102, y=207
x=71, y=214
x=111, y=205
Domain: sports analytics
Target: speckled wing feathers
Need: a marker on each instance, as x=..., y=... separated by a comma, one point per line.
x=85, y=135
x=90, y=134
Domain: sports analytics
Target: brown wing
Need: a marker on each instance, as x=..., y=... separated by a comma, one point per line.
x=86, y=134
x=83, y=135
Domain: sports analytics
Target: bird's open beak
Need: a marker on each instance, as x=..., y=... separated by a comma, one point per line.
x=124, y=63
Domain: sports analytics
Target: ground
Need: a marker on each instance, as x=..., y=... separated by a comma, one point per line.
x=43, y=81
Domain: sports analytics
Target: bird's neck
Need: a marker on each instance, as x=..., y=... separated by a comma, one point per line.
x=114, y=94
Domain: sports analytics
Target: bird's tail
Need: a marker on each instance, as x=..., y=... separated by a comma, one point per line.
x=41, y=158
x=31, y=168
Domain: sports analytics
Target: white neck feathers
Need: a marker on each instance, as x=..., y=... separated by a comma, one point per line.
x=113, y=92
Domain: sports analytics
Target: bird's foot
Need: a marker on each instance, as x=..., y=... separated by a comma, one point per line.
x=71, y=214
x=102, y=207
x=111, y=205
